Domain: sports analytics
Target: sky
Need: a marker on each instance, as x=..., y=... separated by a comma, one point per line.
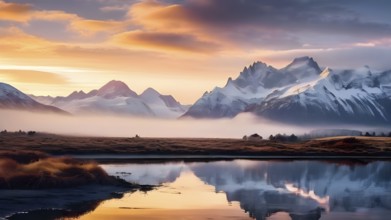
x=181, y=47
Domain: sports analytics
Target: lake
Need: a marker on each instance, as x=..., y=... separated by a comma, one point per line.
x=252, y=189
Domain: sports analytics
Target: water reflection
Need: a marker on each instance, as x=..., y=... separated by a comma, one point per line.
x=325, y=185
x=186, y=198
x=276, y=190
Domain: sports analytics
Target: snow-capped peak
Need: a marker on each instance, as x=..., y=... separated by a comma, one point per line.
x=115, y=89
x=151, y=96
x=304, y=61
x=150, y=92
x=12, y=98
x=303, y=69
x=8, y=92
x=77, y=94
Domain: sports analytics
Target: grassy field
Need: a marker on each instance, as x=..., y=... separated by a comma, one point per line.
x=69, y=145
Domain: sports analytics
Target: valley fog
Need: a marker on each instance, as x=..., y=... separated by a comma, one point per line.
x=118, y=126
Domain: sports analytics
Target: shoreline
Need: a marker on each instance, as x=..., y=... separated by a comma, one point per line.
x=137, y=158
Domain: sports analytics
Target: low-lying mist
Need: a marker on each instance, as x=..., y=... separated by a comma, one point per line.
x=121, y=126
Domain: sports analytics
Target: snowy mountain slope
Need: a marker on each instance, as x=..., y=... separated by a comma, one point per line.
x=302, y=93
x=116, y=97
x=115, y=89
x=251, y=87
x=46, y=100
x=12, y=98
x=117, y=105
x=351, y=96
x=163, y=105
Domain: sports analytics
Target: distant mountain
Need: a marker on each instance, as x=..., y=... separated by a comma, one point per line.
x=349, y=96
x=251, y=87
x=114, y=89
x=12, y=98
x=116, y=97
x=302, y=93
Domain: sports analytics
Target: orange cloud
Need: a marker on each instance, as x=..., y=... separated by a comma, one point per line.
x=166, y=28
x=14, y=11
x=165, y=41
x=30, y=76
x=14, y=37
x=25, y=13
x=53, y=15
x=91, y=27
x=85, y=27
x=152, y=15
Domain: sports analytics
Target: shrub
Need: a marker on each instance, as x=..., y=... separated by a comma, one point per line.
x=31, y=133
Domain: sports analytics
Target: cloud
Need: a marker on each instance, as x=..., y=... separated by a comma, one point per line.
x=283, y=24
x=295, y=16
x=91, y=27
x=14, y=11
x=53, y=15
x=241, y=25
x=30, y=76
x=165, y=41
x=115, y=8
x=25, y=13
x=165, y=28
x=15, y=38
x=154, y=15
x=85, y=27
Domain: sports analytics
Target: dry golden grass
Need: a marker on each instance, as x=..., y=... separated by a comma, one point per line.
x=35, y=170
x=62, y=145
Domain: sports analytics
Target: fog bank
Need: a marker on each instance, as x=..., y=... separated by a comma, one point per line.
x=113, y=126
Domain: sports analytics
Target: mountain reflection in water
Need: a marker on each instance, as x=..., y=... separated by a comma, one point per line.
x=263, y=189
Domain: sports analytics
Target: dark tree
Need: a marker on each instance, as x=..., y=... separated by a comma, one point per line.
x=271, y=137
x=280, y=137
x=367, y=134
x=293, y=138
x=256, y=136
x=31, y=133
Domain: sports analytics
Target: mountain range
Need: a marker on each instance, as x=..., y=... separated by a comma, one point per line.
x=12, y=98
x=301, y=93
x=115, y=97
